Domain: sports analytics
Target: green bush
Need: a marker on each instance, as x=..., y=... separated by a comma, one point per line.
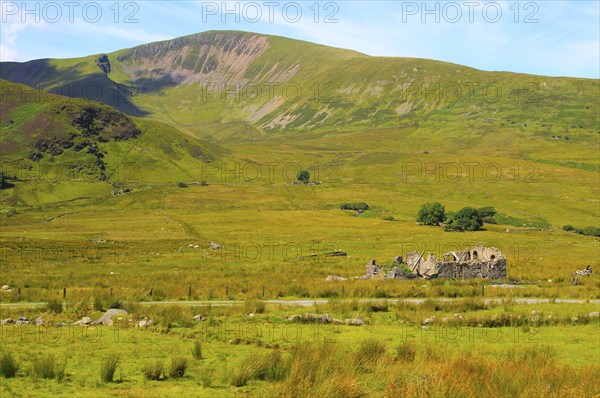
x=357, y=206
x=8, y=365
x=567, y=228
x=303, y=176
x=178, y=367
x=486, y=211
x=591, y=231
x=197, y=350
x=108, y=368
x=431, y=214
x=153, y=371
x=489, y=220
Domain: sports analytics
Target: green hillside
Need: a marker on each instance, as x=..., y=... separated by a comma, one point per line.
x=79, y=146
x=274, y=84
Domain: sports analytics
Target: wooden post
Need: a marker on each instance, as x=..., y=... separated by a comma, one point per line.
x=111, y=292
x=482, y=290
x=343, y=291
x=150, y=292
x=226, y=291
x=18, y=294
x=65, y=293
x=263, y=292
x=189, y=292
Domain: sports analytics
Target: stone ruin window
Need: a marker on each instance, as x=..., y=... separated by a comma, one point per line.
x=492, y=257
x=475, y=255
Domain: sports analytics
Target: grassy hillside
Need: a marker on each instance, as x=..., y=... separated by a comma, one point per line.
x=55, y=147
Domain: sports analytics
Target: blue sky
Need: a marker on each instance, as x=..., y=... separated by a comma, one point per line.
x=555, y=38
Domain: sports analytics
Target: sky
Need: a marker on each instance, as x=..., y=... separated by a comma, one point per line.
x=552, y=38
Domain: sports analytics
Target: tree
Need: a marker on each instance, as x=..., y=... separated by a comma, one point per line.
x=431, y=214
x=303, y=176
x=468, y=219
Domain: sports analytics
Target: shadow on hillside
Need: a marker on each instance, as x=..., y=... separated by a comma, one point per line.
x=72, y=83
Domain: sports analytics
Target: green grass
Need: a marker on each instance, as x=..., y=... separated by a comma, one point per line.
x=367, y=140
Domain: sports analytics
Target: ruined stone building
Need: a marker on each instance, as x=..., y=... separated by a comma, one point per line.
x=471, y=263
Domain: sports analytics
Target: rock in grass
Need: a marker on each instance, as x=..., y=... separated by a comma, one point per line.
x=331, y=278
x=106, y=318
x=594, y=314
x=310, y=317
x=198, y=318
x=358, y=321
x=295, y=318
x=7, y=321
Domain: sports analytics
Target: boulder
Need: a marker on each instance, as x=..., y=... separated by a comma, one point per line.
x=199, y=318
x=86, y=320
x=594, y=314
x=318, y=318
x=39, y=321
x=295, y=318
x=427, y=321
x=358, y=321
x=5, y=287
x=106, y=318
x=7, y=321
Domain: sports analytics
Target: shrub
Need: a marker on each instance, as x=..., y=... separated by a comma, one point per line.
x=591, y=231
x=567, y=228
x=486, y=211
x=489, y=220
x=357, y=206
x=303, y=176
x=108, y=367
x=178, y=367
x=388, y=218
x=197, y=350
x=44, y=367
x=8, y=365
x=153, y=371
x=431, y=214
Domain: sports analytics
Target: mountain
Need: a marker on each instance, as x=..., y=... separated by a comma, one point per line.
x=202, y=82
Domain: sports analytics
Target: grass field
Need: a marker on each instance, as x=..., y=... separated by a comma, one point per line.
x=130, y=223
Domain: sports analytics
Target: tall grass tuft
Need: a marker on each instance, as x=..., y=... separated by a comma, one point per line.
x=406, y=352
x=108, y=368
x=368, y=353
x=197, y=350
x=8, y=365
x=178, y=367
x=269, y=367
x=153, y=371
x=44, y=367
